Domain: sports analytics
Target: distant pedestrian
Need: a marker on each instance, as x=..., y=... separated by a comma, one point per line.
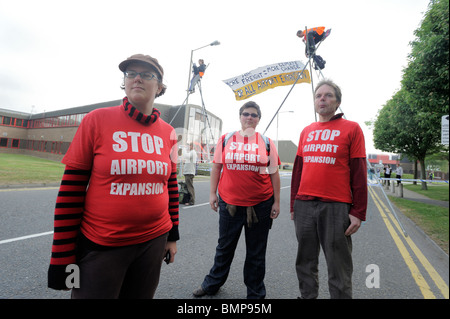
x=387, y=174
x=398, y=174
x=189, y=167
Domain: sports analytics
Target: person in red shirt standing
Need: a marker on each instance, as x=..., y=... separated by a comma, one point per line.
x=116, y=214
x=249, y=197
x=328, y=194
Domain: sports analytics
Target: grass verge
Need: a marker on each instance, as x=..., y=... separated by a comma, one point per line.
x=433, y=220
x=434, y=191
x=24, y=169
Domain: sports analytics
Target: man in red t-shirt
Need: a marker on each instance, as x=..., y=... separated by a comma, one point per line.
x=328, y=194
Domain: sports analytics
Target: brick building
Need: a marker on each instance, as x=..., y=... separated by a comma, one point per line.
x=49, y=134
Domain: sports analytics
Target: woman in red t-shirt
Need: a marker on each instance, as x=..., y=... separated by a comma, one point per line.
x=249, y=197
x=116, y=214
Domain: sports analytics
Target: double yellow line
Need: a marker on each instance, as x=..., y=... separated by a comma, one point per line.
x=419, y=279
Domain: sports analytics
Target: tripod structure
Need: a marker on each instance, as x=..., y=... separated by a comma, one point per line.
x=204, y=116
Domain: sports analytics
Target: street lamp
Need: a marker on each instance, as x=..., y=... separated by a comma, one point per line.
x=190, y=65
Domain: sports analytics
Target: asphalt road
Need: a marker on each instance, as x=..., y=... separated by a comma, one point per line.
x=387, y=264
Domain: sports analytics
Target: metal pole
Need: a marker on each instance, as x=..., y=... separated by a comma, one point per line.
x=312, y=87
x=310, y=55
x=190, y=67
x=189, y=77
x=385, y=196
x=292, y=87
x=278, y=114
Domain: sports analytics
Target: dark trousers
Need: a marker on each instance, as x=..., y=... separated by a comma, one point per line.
x=319, y=224
x=312, y=39
x=189, y=179
x=130, y=272
x=256, y=243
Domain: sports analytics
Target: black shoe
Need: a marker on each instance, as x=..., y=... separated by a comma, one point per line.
x=199, y=292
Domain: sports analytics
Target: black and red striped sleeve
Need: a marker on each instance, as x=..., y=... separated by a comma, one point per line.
x=67, y=218
x=173, y=206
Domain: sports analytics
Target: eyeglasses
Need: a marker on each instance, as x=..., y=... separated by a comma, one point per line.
x=254, y=115
x=144, y=75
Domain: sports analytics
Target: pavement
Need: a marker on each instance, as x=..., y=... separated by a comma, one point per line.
x=413, y=196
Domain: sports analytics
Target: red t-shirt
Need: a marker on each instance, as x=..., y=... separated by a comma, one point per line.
x=326, y=149
x=130, y=162
x=245, y=178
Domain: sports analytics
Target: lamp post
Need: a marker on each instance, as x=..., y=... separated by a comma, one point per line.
x=277, y=127
x=189, y=73
x=190, y=65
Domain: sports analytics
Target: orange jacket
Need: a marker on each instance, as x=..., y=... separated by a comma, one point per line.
x=319, y=30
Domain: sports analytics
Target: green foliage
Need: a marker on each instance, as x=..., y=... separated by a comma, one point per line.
x=426, y=77
x=409, y=123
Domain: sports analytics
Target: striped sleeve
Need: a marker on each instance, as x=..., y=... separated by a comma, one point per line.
x=173, y=206
x=67, y=218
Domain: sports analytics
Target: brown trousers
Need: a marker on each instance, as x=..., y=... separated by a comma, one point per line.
x=129, y=272
x=320, y=224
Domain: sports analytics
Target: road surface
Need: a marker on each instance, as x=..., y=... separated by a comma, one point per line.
x=387, y=264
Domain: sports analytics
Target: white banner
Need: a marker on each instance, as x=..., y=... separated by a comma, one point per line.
x=267, y=77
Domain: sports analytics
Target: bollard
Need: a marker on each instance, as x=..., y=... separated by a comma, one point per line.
x=393, y=187
x=400, y=190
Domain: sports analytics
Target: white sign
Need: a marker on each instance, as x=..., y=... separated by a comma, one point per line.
x=444, y=130
x=267, y=77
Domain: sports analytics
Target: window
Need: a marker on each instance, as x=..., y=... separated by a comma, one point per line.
x=15, y=143
x=3, y=142
x=59, y=121
x=6, y=120
x=56, y=147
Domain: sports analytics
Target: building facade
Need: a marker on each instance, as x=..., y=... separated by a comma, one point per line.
x=49, y=134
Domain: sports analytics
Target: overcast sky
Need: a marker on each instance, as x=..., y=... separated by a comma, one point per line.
x=60, y=54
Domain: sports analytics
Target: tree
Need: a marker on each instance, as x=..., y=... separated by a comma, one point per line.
x=400, y=129
x=426, y=76
x=409, y=123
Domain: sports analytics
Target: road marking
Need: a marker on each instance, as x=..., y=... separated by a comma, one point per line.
x=415, y=272
x=440, y=283
x=27, y=189
x=203, y=204
x=25, y=237
x=192, y=206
